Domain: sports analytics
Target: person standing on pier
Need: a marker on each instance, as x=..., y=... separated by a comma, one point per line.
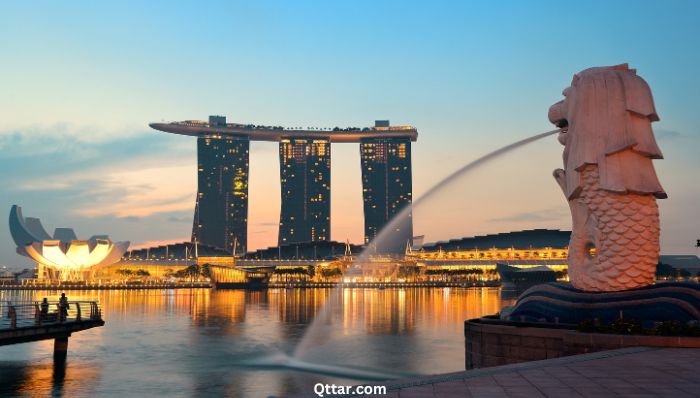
x=63, y=306
x=44, y=309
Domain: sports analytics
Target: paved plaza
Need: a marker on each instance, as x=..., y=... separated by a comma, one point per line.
x=630, y=372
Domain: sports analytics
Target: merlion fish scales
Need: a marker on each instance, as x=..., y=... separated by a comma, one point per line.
x=609, y=179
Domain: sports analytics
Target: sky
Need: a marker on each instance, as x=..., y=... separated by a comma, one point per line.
x=80, y=81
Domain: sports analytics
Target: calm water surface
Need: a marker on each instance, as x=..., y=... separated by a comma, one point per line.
x=193, y=342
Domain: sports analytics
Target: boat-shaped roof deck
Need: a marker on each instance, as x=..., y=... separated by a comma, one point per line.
x=278, y=133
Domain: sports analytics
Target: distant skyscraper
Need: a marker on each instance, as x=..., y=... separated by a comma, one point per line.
x=305, y=174
x=221, y=211
x=386, y=187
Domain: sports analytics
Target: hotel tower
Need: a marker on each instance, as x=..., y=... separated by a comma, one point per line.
x=221, y=209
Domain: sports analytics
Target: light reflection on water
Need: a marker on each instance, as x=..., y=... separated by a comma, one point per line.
x=192, y=342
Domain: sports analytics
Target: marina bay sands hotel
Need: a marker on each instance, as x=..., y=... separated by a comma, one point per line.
x=221, y=208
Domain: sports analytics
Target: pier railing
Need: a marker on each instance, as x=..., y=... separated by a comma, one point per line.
x=102, y=285
x=31, y=314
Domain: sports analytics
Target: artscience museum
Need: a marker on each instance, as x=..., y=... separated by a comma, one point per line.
x=62, y=256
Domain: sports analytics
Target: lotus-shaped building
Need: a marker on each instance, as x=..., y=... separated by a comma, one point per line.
x=62, y=256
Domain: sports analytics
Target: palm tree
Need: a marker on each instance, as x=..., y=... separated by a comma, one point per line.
x=142, y=272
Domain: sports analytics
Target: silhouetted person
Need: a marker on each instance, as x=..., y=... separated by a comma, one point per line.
x=12, y=314
x=44, y=309
x=63, y=306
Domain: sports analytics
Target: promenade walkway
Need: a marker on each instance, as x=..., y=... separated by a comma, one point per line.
x=629, y=372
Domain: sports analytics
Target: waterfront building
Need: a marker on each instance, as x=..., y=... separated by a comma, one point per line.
x=387, y=188
x=305, y=176
x=221, y=209
x=222, y=198
x=176, y=251
x=306, y=250
x=62, y=256
x=524, y=249
x=226, y=277
x=687, y=262
x=527, y=239
x=164, y=261
x=487, y=259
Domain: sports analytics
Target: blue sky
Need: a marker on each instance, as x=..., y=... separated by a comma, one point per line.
x=79, y=82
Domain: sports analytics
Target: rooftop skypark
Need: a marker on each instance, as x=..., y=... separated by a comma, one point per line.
x=218, y=125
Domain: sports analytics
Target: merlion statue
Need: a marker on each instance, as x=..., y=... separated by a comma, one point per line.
x=609, y=179
x=611, y=186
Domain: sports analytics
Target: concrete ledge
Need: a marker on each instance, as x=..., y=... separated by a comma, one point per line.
x=490, y=342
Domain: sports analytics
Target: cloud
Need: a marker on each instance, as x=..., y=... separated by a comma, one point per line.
x=185, y=219
x=667, y=135
x=81, y=142
x=123, y=193
x=124, y=177
x=42, y=185
x=46, y=153
x=267, y=224
x=554, y=214
x=154, y=243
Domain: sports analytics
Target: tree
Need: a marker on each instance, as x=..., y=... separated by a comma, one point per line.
x=205, y=270
x=664, y=270
x=408, y=271
x=669, y=272
x=560, y=274
x=124, y=272
x=142, y=272
x=191, y=272
x=330, y=272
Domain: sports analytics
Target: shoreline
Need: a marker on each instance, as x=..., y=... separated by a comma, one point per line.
x=107, y=287
x=205, y=285
x=380, y=285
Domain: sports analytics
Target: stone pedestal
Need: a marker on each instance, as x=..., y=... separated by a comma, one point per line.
x=490, y=342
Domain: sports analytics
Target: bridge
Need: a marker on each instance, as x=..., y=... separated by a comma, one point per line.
x=240, y=262
x=28, y=322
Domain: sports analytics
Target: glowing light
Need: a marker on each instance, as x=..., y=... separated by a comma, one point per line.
x=67, y=257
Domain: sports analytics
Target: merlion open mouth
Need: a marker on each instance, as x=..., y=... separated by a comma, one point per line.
x=563, y=124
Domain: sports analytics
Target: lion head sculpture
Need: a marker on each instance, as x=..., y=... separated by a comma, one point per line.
x=609, y=179
x=606, y=120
